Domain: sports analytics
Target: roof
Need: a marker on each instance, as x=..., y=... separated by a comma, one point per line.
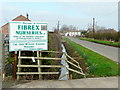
x=19, y=18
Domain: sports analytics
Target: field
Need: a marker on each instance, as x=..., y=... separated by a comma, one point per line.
x=98, y=65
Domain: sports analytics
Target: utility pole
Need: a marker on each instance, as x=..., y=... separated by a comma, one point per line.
x=58, y=26
x=93, y=25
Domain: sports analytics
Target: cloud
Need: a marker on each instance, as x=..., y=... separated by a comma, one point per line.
x=77, y=14
x=15, y=11
x=106, y=13
x=61, y=1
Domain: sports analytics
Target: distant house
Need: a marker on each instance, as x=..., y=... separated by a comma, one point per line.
x=4, y=28
x=51, y=31
x=73, y=33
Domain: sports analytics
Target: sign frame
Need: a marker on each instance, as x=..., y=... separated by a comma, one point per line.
x=41, y=41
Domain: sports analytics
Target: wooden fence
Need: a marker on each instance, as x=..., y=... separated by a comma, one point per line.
x=39, y=66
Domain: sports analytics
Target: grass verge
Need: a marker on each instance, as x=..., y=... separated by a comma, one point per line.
x=98, y=65
x=110, y=43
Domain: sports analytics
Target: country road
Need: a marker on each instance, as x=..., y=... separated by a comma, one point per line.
x=107, y=51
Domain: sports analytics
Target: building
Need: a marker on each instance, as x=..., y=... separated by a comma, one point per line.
x=4, y=28
x=73, y=33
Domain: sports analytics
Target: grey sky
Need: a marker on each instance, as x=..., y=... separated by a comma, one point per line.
x=79, y=14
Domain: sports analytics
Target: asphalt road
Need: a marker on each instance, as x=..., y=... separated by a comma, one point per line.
x=107, y=51
x=105, y=82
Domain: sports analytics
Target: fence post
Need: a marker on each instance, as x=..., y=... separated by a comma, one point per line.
x=15, y=64
x=39, y=63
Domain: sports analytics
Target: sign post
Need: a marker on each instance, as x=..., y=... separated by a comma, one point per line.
x=15, y=64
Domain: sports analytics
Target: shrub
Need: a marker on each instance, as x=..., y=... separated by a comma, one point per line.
x=115, y=36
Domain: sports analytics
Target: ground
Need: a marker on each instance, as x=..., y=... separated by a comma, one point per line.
x=104, y=82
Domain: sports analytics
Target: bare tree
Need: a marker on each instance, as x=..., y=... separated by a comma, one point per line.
x=64, y=28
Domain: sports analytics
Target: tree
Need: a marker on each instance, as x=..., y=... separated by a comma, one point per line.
x=70, y=27
x=64, y=28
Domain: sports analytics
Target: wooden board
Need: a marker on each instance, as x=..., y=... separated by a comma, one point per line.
x=23, y=73
x=46, y=58
x=58, y=66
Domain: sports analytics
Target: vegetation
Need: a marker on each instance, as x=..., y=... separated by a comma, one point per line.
x=54, y=44
x=10, y=58
x=98, y=65
x=110, y=43
x=109, y=36
x=66, y=28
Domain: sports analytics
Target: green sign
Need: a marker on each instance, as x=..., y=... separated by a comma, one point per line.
x=26, y=35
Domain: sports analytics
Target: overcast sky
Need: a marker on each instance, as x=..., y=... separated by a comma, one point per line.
x=79, y=14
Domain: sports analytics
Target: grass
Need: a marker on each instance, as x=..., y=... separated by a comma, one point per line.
x=99, y=66
x=110, y=43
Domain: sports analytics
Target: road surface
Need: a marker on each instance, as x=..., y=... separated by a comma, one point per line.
x=107, y=51
x=104, y=82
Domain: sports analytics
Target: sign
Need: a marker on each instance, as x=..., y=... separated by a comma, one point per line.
x=27, y=35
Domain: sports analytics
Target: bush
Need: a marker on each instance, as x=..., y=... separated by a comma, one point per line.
x=115, y=36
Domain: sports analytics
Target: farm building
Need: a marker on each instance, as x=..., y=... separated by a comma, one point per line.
x=73, y=33
x=4, y=28
x=4, y=31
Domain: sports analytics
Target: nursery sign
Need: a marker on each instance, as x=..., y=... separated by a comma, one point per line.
x=27, y=35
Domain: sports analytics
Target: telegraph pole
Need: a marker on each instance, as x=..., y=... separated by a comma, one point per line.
x=93, y=25
x=58, y=26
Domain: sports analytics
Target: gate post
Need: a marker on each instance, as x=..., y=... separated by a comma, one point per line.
x=39, y=63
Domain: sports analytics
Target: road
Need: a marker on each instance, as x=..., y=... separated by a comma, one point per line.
x=104, y=82
x=107, y=51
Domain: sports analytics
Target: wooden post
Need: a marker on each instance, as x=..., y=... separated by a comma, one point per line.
x=15, y=64
x=19, y=63
x=39, y=63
